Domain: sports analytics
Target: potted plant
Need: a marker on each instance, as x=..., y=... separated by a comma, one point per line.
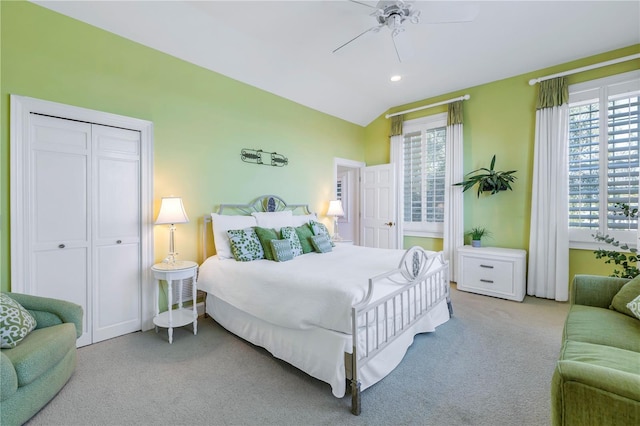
x=477, y=234
x=488, y=180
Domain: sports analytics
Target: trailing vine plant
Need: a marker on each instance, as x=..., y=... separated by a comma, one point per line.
x=628, y=260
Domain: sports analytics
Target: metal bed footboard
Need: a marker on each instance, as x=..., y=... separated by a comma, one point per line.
x=423, y=281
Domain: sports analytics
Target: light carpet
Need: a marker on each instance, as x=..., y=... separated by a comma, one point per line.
x=491, y=364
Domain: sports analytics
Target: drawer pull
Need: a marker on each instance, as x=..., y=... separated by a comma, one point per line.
x=61, y=246
x=486, y=266
x=119, y=242
x=487, y=281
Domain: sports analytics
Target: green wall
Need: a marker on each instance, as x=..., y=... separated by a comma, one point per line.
x=500, y=119
x=201, y=120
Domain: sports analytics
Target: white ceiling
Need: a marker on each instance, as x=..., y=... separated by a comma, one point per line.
x=285, y=47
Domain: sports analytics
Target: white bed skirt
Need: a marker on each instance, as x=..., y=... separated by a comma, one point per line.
x=320, y=352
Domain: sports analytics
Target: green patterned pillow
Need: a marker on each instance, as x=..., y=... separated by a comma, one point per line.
x=634, y=307
x=319, y=229
x=266, y=235
x=289, y=233
x=627, y=293
x=321, y=243
x=245, y=245
x=15, y=322
x=305, y=233
x=282, y=250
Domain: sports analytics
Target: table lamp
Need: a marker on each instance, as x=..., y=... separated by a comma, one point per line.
x=335, y=210
x=171, y=212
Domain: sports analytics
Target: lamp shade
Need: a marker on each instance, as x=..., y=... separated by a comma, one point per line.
x=335, y=208
x=172, y=211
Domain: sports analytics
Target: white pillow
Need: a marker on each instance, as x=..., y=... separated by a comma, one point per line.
x=221, y=224
x=299, y=220
x=275, y=220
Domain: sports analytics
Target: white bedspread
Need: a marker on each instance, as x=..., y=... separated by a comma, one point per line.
x=320, y=289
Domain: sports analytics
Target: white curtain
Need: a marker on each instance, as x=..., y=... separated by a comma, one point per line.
x=453, y=198
x=396, y=157
x=549, y=234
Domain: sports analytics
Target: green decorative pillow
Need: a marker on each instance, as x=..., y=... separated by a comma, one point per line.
x=627, y=293
x=319, y=229
x=266, y=235
x=15, y=322
x=321, y=243
x=281, y=250
x=289, y=233
x=634, y=307
x=304, y=235
x=245, y=245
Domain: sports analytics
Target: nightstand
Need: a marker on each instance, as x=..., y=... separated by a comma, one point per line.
x=180, y=270
x=492, y=271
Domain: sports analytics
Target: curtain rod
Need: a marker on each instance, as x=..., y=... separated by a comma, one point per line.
x=461, y=98
x=533, y=81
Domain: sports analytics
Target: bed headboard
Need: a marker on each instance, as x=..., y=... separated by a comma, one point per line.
x=264, y=203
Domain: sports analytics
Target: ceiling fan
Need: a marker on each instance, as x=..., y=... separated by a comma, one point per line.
x=394, y=14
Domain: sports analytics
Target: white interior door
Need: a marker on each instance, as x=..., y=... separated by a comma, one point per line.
x=116, y=232
x=60, y=240
x=378, y=228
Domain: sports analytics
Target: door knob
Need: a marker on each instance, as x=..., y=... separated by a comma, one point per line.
x=389, y=224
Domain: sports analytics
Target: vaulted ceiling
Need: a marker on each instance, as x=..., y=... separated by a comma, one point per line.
x=286, y=47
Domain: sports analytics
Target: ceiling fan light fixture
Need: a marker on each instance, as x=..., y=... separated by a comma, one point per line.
x=396, y=78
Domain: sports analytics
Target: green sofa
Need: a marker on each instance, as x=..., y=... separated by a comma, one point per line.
x=33, y=372
x=597, y=379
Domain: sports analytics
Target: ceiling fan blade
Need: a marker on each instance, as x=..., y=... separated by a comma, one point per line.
x=448, y=12
x=403, y=45
x=363, y=4
x=374, y=29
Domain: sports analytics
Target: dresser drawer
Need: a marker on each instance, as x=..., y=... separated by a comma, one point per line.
x=492, y=271
x=488, y=274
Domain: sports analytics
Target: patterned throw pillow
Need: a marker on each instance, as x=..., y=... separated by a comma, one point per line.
x=304, y=235
x=627, y=293
x=634, y=307
x=245, y=245
x=289, y=233
x=321, y=243
x=319, y=229
x=15, y=322
x=266, y=235
x=281, y=250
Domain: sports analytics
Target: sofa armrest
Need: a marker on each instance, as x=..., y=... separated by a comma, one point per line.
x=8, y=378
x=48, y=312
x=595, y=290
x=584, y=393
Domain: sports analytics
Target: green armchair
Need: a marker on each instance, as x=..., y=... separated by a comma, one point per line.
x=35, y=370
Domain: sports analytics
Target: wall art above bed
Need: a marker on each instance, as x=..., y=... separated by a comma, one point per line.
x=263, y=157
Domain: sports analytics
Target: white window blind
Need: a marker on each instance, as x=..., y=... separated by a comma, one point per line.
x=604, y=161
x=424, y=176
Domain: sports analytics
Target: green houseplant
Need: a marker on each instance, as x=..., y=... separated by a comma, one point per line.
x=488, y=180
x=477, y=234
x=628, y=259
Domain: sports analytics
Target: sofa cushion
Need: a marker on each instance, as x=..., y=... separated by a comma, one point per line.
x=603, y=356
x=627, y=293
x=602, y=327
x=40, y=351
x=15, y=322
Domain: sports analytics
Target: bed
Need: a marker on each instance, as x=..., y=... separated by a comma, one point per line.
x=345, y=316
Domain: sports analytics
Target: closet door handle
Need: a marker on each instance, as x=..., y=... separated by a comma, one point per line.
x=486, y=266
x=61, y=245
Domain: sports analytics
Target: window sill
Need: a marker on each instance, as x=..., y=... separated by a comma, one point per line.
x=594, y=245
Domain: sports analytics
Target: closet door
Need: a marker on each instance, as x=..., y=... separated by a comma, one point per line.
x=116, y=232
x=59, y=240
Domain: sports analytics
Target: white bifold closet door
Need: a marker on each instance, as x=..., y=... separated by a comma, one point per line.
x=85, y=216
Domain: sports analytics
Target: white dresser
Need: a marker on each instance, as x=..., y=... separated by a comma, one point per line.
x=493, y=271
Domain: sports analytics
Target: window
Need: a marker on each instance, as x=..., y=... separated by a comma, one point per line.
x=603, y=170
x=424, y=175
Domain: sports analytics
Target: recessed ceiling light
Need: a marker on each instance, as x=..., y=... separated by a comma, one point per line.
x=395, y=78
